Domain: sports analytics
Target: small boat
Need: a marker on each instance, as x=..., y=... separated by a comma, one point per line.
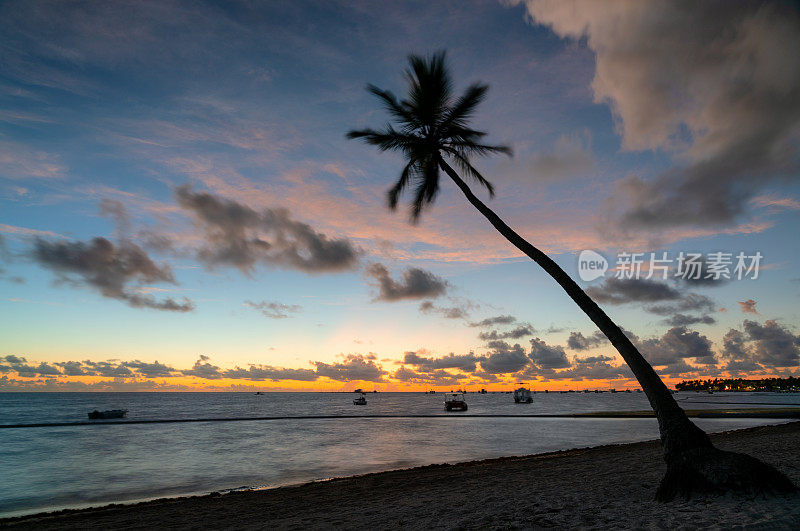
x=455, y=402
x=259, y=393
x=523, y=396
x=361, y=400
x=110, y=414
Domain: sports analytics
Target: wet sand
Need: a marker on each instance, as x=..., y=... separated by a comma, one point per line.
x=602, y=487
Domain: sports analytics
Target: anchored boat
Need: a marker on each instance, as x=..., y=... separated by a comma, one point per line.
x=110, y=414
x=361, y=400
x=455, y=402
x=523, y=396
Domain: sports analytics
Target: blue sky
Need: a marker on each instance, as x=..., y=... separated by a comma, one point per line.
x=627, y=134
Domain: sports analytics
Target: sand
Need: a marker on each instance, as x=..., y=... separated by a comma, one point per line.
x=602, y=487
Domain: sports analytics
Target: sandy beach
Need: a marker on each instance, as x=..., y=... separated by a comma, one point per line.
x=602, y=487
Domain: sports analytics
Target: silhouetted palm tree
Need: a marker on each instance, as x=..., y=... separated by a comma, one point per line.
x=431, y=129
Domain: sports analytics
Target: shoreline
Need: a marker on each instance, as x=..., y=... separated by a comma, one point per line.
x=553, y=485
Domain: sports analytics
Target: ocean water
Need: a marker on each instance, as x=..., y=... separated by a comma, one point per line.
x=47, y=468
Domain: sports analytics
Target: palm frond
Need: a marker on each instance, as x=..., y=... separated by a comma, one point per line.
x=388, y=140
x=464, y=107
x=481, y=150
x=429, y=89
x=394, y=107
x=468, y=169
x=427, y=187
x=395, y=191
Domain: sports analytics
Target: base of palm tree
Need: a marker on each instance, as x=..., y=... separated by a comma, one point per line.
x=709, y=471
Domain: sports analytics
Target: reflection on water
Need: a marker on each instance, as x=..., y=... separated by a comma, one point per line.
x=46, y=468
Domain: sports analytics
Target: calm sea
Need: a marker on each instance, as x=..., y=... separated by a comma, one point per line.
x=75, y=466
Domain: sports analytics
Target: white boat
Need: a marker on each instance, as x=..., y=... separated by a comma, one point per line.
x=523, y=396
x=361, y=400
x=455, y=402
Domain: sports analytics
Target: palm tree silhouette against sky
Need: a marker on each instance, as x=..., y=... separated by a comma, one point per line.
x=431, y=129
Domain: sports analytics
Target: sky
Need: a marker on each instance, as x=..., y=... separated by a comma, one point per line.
x=180, y=209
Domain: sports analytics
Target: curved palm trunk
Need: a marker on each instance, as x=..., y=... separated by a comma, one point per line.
x=681, y=440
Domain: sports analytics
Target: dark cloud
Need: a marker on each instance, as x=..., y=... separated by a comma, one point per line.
x=107, y=369
x=773, y=344
x=448, y=312
x=670, y=301
x=267, y=372
x=516, y=333
x=676, y=344
x=504, y=358
x=593, y=359
x=462, y=362
x=436, y=377
x=110, y=269
x=577, y=341
x=714, y=84
x=203, y=369
x=274, y=310
x=681, y=319
x=620, y=291
x=238, y=236
x=748, y=306
x=415, y=284
x=545, y=356
x=150, y=370
x=493, y=321
x=355, y=367
x=687, y=302
x=72, y=368
x=591, y=368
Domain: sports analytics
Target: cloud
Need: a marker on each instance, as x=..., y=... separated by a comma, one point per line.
x=107, y=369
x=436, y=377
x=714, y=84
x=498, y=320
x=687, y=302
x=577, y=341
x=748, y=306
x=676, y=344
x=355, y=367
x=517, y=333
x=620, y=291
x=109, y=269
x=274, y=310
x=504, y=358
x=150, y=370
x=19, y=161
x=571, y=156
x=239, y=236
x=448, y=312
x=681, y=319
x=546, y=356
x=593, y=359
x=415, y=284
x=203, y=369
x=773, y=344
x=462, y=362
x=72, y=368
x=267, y=372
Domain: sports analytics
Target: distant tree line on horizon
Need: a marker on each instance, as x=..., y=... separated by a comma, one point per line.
x=739, y=384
